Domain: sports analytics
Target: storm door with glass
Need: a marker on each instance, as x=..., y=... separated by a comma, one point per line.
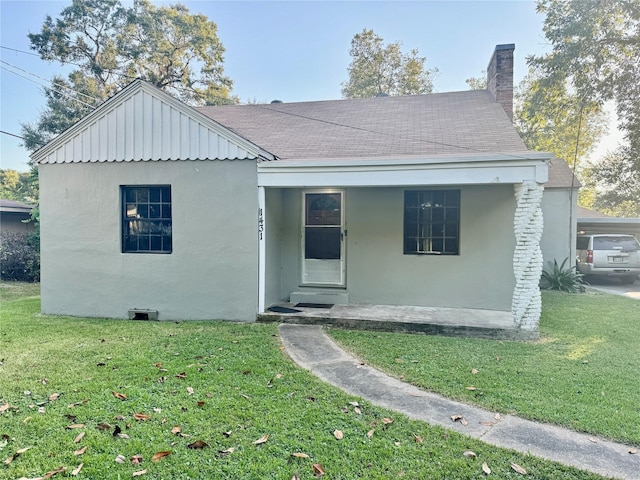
x=323, y=239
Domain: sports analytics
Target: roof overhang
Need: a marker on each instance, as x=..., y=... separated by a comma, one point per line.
x=473, y=169
x=609, y=225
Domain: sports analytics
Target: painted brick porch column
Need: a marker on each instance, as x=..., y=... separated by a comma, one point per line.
x=526, y=305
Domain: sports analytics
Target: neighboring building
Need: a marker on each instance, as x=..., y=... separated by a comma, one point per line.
x=15, y=217
x=220, y=212
x=590, y=221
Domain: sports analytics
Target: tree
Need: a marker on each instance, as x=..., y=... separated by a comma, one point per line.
x=478, y=83
x=616, y=183
x=19, y=186
x=596, y=47
x=379, y=69
x=112, y=45
x=550, y=118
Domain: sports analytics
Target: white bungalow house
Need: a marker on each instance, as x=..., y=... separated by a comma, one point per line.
x=150, y=205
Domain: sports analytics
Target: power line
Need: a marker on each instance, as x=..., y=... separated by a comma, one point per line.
x=12, y=135
x=53, y=87
x=59, y=85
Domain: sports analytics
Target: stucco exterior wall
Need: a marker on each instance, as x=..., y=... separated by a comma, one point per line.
x=212, y=271
x=379, y=273
x=558, y=238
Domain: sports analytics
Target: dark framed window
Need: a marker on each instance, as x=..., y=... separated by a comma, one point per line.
x=432, y=222
x=146, y=219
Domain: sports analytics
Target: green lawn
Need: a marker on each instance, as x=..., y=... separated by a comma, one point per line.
x=584, y=372
x=224, y=384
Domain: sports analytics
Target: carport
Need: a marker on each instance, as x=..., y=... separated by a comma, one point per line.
x=590, y=221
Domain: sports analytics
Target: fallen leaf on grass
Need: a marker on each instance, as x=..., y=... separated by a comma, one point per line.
x=103, y=426
x=136, y=459
x=76, y=470
x=41, y=410
x=176, y=430
x=354, y=404
x=228, y=433
x=159, y=456
x=224, y=453
x=262, y=439
x=53, y=397
x=79, y=437
x=120, y=459
x=190, y=390
x=139, y=473
x=119, y=396
x=387, y=421
x=201, y=404
x=370, y=433
x=16, y=455
x=141, y=416
x=518, y=468
x=198, y=445
x=417, y=438
x=338, y=434
x=486, y=469
x=318, y=471
x=124, y=435
x=80, y=451
x=181, y=375
x=397, y=444
x=474, y=371
x=469, y=454
x=300, y=455
x=4, y=407
x=75, y=425
x=53, y=473
x=357, y=410
x=471, y=388
x=157, y=410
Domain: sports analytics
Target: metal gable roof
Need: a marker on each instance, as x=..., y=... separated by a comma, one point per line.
x=455, y=123
x=143, y=123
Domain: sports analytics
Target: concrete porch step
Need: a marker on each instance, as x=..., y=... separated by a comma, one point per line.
x=408, y=319
x=327, y=298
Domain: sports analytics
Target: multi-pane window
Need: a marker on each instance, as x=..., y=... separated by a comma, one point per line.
x=432, y=222
x=146, y=219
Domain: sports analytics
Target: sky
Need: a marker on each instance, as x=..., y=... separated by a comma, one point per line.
x=291, y=51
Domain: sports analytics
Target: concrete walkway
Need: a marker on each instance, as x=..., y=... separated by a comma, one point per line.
x=311, y=349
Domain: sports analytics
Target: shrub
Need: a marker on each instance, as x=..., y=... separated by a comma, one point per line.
x=19, y=257
x=561, y=278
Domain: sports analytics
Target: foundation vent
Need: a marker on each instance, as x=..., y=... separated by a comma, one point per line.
x=143, y=314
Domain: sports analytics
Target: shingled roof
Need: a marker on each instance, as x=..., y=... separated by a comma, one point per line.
x=455, y=123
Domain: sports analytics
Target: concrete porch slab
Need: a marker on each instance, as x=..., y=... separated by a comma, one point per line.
x=408, y=319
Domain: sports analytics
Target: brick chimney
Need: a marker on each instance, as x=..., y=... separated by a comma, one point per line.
x=500, y=77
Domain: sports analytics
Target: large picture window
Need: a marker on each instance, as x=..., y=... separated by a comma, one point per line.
x=432, y=222
x=146, y=219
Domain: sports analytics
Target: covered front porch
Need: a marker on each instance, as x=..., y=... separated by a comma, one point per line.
x=467, y=322
x=362, y=253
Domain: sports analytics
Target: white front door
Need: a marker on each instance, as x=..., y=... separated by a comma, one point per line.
x=323, y=238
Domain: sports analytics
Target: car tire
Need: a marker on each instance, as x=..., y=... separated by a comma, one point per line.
x=628, y=279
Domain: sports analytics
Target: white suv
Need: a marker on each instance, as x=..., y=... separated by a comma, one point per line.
x=614, y=255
